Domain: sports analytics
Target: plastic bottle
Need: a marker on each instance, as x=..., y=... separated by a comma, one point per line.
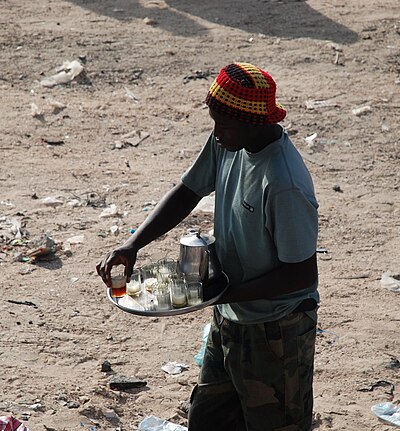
x=153, y=423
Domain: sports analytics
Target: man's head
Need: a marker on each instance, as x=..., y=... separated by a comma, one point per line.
x=243, y=106
x=246, y=93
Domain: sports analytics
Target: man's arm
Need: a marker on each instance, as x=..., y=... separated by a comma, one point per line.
x=170, y=211
x=287, y=278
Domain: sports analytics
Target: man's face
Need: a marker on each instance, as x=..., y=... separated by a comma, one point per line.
x=230, y=134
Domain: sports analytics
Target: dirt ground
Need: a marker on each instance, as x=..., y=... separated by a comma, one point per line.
x=123, y=131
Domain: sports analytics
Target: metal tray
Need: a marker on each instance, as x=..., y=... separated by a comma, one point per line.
x=212, y=291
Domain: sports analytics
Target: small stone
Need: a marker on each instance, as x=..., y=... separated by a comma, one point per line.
x=106, y=367
x=122, y=383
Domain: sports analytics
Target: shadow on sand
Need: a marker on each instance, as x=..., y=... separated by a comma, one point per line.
x=286, y=18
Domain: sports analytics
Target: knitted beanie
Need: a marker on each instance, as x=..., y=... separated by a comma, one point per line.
x=246, y=93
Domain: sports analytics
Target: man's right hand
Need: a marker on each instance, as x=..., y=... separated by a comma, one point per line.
x=124, y=255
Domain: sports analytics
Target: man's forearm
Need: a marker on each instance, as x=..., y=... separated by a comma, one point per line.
x=288, y=278
x=170, y=211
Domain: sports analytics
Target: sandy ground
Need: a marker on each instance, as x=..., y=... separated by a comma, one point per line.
x=147, y=67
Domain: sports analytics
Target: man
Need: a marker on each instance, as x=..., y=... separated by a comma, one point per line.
x=258, y=367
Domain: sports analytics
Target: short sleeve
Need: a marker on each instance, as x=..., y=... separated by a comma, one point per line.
x=292, y=221
x=200, y=177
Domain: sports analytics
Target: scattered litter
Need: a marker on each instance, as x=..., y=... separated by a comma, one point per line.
x=114, y=230
x=310, y=139
x=206, y=204
x=388, y=412
x=132, y=231
x=110, y=415
x=77, y=239
x=53, y=141
x=198, y=358
x=111, y=211
x=50, y=201
x=130, y=95
x=28, y=303
x=198, y=74
x=174, y=368
x=337, y=188
x=335, y=46
x=391, y=282
x=131, y=139
x=333, y=334
x=393, y=364
x=379, y=383
x=122, y=383
x=149, y=21
x=317, y=104
x=35, y=111
x=362, y=110
x=66, y=73
x=45, y=245
x=74, y=203
x=10, y=423
x=153, y=423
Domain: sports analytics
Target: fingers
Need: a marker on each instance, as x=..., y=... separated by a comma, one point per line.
x=105, y=266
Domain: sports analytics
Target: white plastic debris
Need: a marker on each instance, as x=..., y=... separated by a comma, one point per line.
x=362, y=110
x=390, y=282
x=77, y=239
x=66, y=73
x=153, y=423
x=174, y=368
x=51, y=201
x=111, y=211
x=310, y=139
x=388, y=412
x=317, y=104
x=114, y=230
x=207, y=204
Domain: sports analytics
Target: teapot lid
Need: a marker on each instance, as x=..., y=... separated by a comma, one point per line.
x=195, y=238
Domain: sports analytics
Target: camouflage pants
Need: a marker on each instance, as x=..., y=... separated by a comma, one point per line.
x=256, y=377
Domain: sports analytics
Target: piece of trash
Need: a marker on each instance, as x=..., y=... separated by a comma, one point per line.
x=10, y=423
x=35, y=111
x=53, y=142
x=28, y=303
x=66, y=73
x=53, y=202
x=111, y=211
x=317, y=104
x=131, y=139
x=122, y=383
x=198, y=74
x=388, y=412
x=379, y=383
x=393, y=364
x=198, y=358
x=310, y=139
x=106, y=367
x=77, y=239
x=174, y=368
x=362, y=110
x=206, y=204
x=391, y=282
x=132, y=231
x=114, y=230
x=44, y=245
x=110, y=415
x=130, y=95
x=333, y=334
x=149, y=21
x=153, y=423
x=337, y=188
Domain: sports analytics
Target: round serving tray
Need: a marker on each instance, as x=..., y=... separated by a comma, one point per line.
x=212, y=291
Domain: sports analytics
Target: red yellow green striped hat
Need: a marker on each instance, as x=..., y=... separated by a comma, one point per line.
x=247, y=93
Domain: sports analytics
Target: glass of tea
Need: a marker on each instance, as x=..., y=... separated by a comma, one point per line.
x=118, y=283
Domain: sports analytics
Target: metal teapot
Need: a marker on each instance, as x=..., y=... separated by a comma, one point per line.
x=198, y=257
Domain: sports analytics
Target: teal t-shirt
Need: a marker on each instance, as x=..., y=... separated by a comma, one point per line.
x=265, y=213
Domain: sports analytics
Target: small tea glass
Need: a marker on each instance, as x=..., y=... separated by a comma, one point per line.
x=118, y=282
x=194, y=293
x=134, y=287
x=162, y=294
x=178, y=293
x=149, y=277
